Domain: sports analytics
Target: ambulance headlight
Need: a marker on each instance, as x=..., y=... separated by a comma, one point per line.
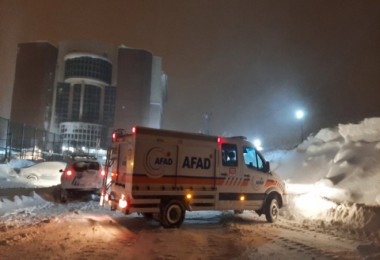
x=123, y=202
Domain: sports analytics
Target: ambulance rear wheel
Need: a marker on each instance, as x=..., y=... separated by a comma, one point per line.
x=63, y=195
x=172, y=214
x=272, y=209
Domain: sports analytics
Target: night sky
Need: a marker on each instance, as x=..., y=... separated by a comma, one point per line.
x=249, y=63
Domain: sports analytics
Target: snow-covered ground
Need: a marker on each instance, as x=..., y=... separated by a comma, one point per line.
x=333, y=179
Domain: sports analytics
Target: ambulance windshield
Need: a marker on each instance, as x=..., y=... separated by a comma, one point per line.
x=252, y=158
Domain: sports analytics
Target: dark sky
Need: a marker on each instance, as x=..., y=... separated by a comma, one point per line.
x=249, y=63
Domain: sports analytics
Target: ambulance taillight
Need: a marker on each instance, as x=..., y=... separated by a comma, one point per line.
x=114, y=175
x=118, y=133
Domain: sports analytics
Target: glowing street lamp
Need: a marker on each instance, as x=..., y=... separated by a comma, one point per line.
x=300, y=115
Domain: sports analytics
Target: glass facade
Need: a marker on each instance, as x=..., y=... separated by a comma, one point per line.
x=109, y=105
x=79, y=135
x=91, y=104
x=62, y=103
x=76, y=103
x=88, y=67
x=85, y=108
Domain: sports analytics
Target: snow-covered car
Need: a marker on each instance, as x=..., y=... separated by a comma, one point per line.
x=43, y=173
x=81, y=175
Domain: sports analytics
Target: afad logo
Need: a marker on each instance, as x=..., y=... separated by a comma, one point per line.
x=156, y=160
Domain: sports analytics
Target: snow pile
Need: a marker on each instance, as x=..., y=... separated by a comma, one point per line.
x=9, y=177
x=7, y=205
x=335, y=175
x=367, y=131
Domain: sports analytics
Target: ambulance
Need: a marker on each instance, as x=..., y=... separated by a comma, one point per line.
x=162, y=174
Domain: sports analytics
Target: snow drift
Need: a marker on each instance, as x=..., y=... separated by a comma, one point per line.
x=335, y=175
x=345, y=158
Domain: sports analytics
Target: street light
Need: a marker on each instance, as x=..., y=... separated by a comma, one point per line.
x=300, y=115
x=207, y=118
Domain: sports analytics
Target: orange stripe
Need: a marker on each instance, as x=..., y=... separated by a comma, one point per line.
x=270, y=183
x=172, y=180
x=180, y=181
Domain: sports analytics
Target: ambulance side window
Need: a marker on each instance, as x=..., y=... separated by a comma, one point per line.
x=252, y=159
x=229, y=155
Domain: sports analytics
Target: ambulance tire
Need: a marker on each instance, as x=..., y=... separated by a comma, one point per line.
x=259, y=212
x=272, y=209
x=63, y=195
x=148, y=216
x=172, y=214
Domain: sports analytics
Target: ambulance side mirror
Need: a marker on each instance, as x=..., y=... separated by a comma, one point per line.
x=267, y=167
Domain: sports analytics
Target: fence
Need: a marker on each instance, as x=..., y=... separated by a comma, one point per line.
x=27, y=142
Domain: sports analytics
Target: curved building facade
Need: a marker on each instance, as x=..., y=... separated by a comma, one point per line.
x=86, y=94
x=100, y=87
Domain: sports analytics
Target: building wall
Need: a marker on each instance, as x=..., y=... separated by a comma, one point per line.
x=33, y=85
x=54, y=90
x=158, y=93
x=133, y=88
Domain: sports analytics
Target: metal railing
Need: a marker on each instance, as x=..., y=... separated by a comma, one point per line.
x=27, y=142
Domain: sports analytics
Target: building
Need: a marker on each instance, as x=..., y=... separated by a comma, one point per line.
x=94, y=88
x=34, y=84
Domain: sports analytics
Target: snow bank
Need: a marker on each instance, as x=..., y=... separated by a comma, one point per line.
x=368, y=131
x=20, y=202
x=9, y=177
x=345, y=158
x=334, y=177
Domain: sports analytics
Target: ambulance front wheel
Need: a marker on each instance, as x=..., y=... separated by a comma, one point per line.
x=272, y=209
x=172, y=214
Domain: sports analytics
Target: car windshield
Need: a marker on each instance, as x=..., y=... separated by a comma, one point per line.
x=83, y=166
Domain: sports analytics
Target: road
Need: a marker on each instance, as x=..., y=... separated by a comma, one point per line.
x=74, y=231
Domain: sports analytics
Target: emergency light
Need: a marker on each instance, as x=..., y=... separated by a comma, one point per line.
x=117, y=134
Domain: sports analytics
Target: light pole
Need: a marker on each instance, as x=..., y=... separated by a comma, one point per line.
x=300, y=115
x=207, y=118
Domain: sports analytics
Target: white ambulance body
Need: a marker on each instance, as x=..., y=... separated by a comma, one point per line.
x=163, y=173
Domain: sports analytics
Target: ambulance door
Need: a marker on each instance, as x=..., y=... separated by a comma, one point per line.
x=256, y=173
x=230, y=177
